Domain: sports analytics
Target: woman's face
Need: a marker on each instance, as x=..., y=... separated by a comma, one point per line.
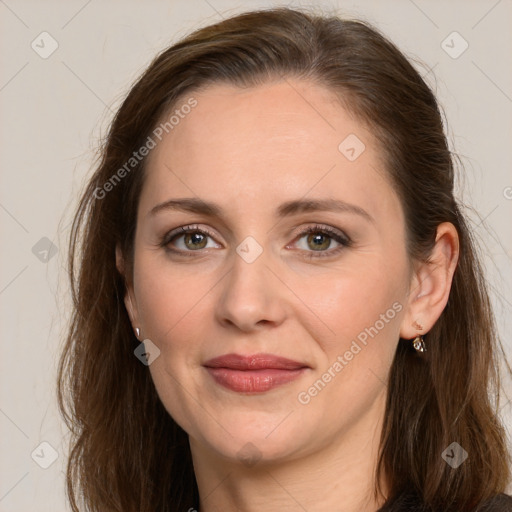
x=247, y=279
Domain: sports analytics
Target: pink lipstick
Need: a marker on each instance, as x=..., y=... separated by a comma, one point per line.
x=253, y=374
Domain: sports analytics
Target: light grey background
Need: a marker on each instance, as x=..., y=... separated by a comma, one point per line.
x=55, y=109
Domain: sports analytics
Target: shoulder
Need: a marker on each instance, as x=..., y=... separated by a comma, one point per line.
x=410, y=502
x=501, y=503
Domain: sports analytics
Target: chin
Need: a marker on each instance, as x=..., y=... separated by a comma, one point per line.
x=252, y=440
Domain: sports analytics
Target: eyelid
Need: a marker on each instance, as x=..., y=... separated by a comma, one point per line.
x=182, y=230
x=324, y=228
x=337, y=235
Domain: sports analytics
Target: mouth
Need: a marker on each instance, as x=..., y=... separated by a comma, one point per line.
x=253, y=374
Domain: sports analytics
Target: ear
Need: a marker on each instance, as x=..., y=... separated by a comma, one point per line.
x=129, y=297
x=431, y=283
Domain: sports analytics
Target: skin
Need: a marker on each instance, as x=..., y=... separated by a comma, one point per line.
x=248, y=151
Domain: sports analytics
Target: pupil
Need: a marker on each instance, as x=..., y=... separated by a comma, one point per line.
x=319, y=241
x=195, y=239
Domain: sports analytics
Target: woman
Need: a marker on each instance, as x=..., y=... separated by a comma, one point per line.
x=278, y=305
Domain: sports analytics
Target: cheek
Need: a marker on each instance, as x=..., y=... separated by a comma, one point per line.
x=171, y=301
x=156, y=295
x=364, y=309
x=351, y=301
x=157, y=304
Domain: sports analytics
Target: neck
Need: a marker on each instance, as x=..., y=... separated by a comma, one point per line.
x=340, y=476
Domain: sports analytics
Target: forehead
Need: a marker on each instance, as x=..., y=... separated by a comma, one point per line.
x=264, y=144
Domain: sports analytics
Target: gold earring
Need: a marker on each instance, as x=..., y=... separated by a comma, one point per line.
x=137, y=332
x=419, y=344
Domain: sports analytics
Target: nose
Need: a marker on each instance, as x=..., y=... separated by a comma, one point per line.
x=252, y=297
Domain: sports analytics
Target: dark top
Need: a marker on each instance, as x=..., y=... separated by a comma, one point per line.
x=409, y=502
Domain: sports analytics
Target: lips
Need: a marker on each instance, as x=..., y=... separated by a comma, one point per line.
x=253, y=374
x=254, y=362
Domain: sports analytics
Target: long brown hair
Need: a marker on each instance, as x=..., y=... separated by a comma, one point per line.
x=127, y=454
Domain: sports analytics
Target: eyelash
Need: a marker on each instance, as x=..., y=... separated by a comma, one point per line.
x=343, y=240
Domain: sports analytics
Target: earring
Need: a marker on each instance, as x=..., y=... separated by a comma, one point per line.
x=419, y=343
x=137, y=332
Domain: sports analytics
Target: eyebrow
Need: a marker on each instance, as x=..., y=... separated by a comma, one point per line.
x=287, y=209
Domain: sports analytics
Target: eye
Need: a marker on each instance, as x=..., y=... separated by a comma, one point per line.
x=188, y=239
x=322, y=240
x=315, y=241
